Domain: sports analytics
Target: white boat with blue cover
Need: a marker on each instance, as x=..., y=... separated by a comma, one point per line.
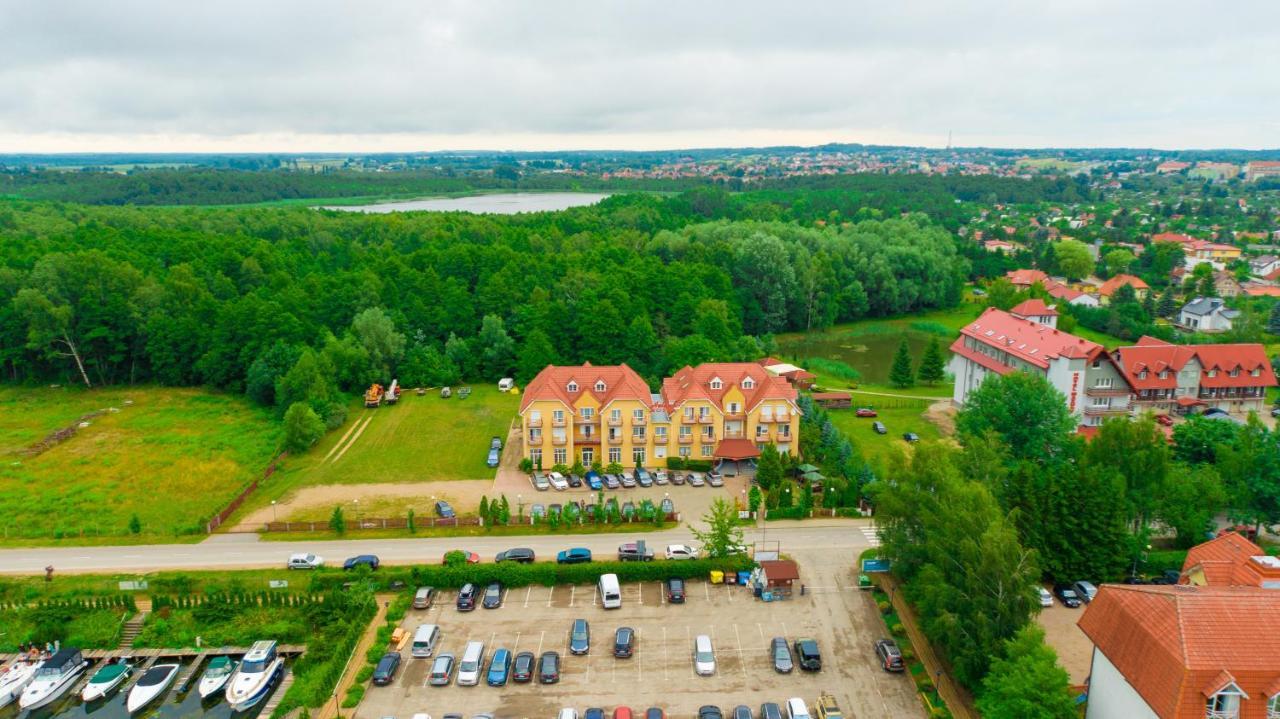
x=255, y=676
x=53, y=679
x=216, y=675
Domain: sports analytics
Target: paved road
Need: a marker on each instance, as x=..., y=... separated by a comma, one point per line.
x=241, y=551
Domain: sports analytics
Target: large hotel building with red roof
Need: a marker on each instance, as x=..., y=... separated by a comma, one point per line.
x=1150, y=375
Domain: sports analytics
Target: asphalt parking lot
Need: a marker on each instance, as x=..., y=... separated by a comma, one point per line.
x=538, y=619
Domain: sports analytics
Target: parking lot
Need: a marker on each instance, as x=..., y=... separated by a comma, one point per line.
x=660, y=673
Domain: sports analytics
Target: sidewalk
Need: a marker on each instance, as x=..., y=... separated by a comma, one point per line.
x=330, y=709
x=958, y=700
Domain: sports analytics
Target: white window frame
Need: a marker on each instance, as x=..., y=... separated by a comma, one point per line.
x=637, y=432
x=615, y=455
x=601, y=386
x=535, y=455
x=615, y=415
x=560, y=455
x=716, y=383
x=637, y=456
x=588, y=456
x=571, y=387
x=637, y=414
x=686, y=452
x=557, y=415
x=708, y=450
x=748, y=383
x=1273, y=707
x=588, y=413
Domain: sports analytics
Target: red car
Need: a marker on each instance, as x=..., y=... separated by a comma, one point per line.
x=866, y=412
x=622, y=713
x=1165, y=419
x=472, y=557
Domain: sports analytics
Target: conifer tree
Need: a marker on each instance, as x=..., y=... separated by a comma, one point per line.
x=901, y=374
x=932, y=368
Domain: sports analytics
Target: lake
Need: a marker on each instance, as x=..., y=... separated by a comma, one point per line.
x=499, y=204
x=871, y=353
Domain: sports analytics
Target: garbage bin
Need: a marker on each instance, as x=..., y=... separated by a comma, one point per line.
x=717, y=576
x=744, y=578
x=730, y=578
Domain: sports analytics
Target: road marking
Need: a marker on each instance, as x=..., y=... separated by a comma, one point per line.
x=550, y=594
x=662, y=595
x=729, y=592
x=761, y=630
x=742, y=660
x=785, y=633
x=541, y=636
x=706, y=586
x=688, y=645
x=666, y=661
x=635, y=636
x=527, y=592
x=640, y=590
x=872, y=535
x=573, y=590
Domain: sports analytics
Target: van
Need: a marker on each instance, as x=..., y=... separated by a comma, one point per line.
x=506, y=384
x=469, y=667
x=423, y=598
x=424, y=640
x=704, y=657
x=610, y=592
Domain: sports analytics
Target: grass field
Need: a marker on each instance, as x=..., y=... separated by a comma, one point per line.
x=898, y=417
x=173, y=457
x=420, y=439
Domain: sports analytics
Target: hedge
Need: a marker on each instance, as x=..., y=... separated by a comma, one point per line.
x=788, y=513
x=512, y=574
x=692, y=465
x=1160, y=560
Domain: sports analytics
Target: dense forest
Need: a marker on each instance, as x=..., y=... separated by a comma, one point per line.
x=294, y=305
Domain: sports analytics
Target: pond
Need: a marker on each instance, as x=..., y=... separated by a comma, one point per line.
x=498, y=204
x=870, y=353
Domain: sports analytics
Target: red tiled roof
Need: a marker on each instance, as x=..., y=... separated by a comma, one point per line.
x=1026, y=277
x=780, y=570
x=695, y=383
x=1242, y=359
x=1029, y=341
x=1172, y=237
x=1171, y=643
x=736, y=449
x=1109, y=287
x=1062, y=292
x=1033, y=308
x=1153, y=358
x=621, y=382
x=1229, y=561
x=1256, y=290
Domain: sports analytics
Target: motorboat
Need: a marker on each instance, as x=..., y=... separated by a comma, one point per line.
x=105, y=680
x=14, y=679
x=153, y=683
x=53, y=679
x=216, y=675
x=255, y=676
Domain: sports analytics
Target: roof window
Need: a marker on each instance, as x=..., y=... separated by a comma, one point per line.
x=572, y=386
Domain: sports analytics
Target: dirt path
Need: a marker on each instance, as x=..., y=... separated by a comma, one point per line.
x=943, y=415
x=899, y=396
x=376, y=500
x=330, y=709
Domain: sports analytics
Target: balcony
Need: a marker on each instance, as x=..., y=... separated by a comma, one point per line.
x=705, y=419
x=579, y=419
x=1106, y=391
x=534, y=421
x=733, y=434
x=766, y=419
x=559, y=439
x=615, y=439
x=659, y=439
x=763, y=437
x=686, y=439
x=783, y=437
x=557, y=422
x=615, y=421
x=783, y=417
x=707, y=438
x=735, y=415
x=638, y=421
x=535, y=439
x=1106, y=410
x=586, y=439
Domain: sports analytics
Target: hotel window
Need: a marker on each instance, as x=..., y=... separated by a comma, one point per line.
x=637, y=433
x=706, y=450
x=1102, y=382
x=637, y=456
x=1164, y=374
x=588, y=413
x=703, y=412
x=1224, y=705
x=1256, y=372
x=1212, y=373
x=688, y=413
x=535, y=416
x=1142, y=374
x=686, y=431
x=600, y=386
x=1273, y=707
x=535, y=456
x=558, y=416
x=572, y=387
x=748, y=383
x=716, y=383
x=562, y=456
x=588, y=456
x=684, y=452
x=709, y=432
x=637, y=415
x=1235, y=372
x=615, y=455
x=660, y=434
x=615, y=415
x=734, y=408
x=535, y=435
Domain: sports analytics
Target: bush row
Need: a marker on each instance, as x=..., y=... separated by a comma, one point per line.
x=693, y=465
x=317, y=671
x=545, y=573
x=788, y=513
x=114, y=601
x=237, y=599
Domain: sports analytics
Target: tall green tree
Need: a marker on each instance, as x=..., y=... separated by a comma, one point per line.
x=1138, y=451
x=302, y=427
x=932, y=365
x=769, y=467
x=1273, y=320
x=1168, y=304
x=1027, y=412
x=536, y=353
x=497, y=349
x=383, y=345
x=1192, y=496
x=1250, y=469
x=1027, y=681
x=901, y=374
x=722, y=537
x=643, y=351
x=1074, y=259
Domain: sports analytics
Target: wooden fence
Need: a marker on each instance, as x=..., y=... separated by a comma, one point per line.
x=235, y=503
x=373, y=523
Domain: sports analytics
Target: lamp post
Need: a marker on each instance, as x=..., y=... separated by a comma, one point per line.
x=273, y=511
x=520, y=507
x=357, y=503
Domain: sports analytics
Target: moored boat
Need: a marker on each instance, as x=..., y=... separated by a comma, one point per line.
x=53, y=678
x=257, y=673
x=14, y=679
x=105, y=680
x=216, y=675
x=153, y=683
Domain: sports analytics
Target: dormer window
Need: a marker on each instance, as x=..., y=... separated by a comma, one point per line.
x=1257, y=372
x=600, y=386
x=1164, y=374
x=1211, y=373
x=1225, y=704
x=1235, y=372
x=1142, y=374
x=716, y=383
x=748, y=383
x=1273, y=707
x=572, y=387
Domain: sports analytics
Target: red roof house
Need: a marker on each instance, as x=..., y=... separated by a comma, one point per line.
x=1230, y=560
x=1110, y=287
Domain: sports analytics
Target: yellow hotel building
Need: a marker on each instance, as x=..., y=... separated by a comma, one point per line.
x=607, y=414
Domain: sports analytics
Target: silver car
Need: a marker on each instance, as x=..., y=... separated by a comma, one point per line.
x=441, y=671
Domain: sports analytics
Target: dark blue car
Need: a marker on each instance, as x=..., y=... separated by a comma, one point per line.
x=594, y=481
x=499, y=668
x=577, y=555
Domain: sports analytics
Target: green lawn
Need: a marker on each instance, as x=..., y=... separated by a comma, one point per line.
x=419, y=439
x=173, y=457
x=899, y=416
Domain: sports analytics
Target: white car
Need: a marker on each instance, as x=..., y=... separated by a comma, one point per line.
x=704, y=656
x=568, y=713
x=681, y=551
x=558, y=482
x=661, y=477
x=796, y=709
x=304, y=561
x=1046, y=599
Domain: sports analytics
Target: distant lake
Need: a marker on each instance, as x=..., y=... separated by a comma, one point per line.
x=504, y=204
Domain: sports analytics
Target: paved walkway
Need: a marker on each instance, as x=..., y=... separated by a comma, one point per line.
x=958, y=700
x=330, y=708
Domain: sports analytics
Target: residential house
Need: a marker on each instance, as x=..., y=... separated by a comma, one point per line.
x=801, y=378
x=1226, y=284
x=1263, y=265
x=1183, y=652
x=1036, y=311
x=1023, y=279
x=1258, y=289
x=607, y=414
x=1071, y=295
x=1167, y=377
x=1109, y=288
x=1259, y=169
x=1196, y=251
x=1230, y=560
x=1171, y=167
x=999, y=343
x=1207, y=314
x=1000, y=246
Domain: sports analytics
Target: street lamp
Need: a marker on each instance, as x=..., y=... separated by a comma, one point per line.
x=520, y=504
x=357, y=503
x=273, y=511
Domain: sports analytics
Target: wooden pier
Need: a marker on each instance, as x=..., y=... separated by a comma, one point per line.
x=151, y=655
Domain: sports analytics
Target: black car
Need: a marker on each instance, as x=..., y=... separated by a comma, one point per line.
x=780, y=654
x=519, y=554
x=1067, y=595
x=367, y=560
x=742, y=712
x=624, y=642
x=675, y=590
x=492, y=596
x=879, y=428
x=466, y=597
x=580, y=637
x=710, y=711
x=890, y=656
x=575, y=481
x=549, y=667
x=769, y=710
x=385, y=672
x=911, y=436
x=443, y=510
x=522, y=667
x=807, y=653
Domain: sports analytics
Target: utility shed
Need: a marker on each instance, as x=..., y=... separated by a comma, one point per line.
x=833, y=400
x=777, y=575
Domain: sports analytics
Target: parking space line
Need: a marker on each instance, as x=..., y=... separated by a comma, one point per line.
x=516, y=646
x=729, y=592
x=688, y=644
x=639, y=663
x=573, y=590
x=640, y=589
x=785, y=633
x=761, y=630
x=662, y=596
x=742, y=660
x=550, y=594
x=707, y=587
x=527, y=592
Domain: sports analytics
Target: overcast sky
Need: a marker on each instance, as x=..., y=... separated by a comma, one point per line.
x=269, y=75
